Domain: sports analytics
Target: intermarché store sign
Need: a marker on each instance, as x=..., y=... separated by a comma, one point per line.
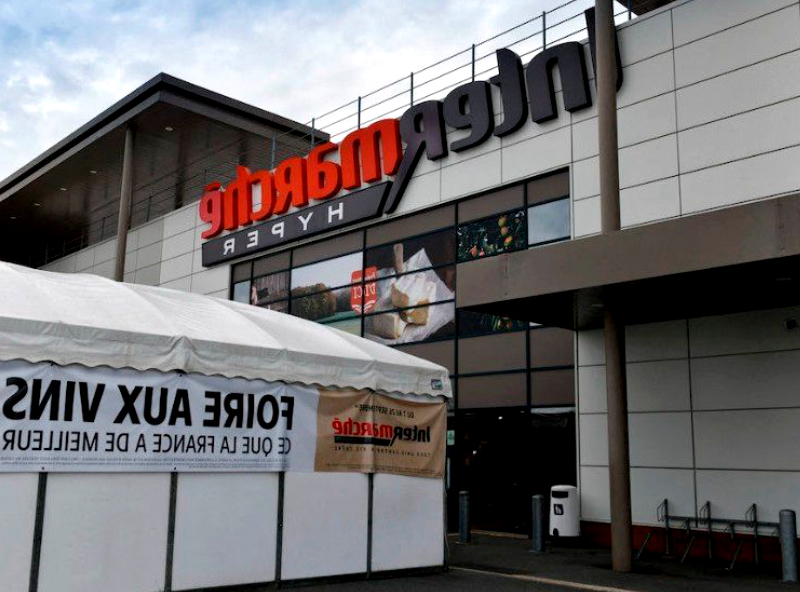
x=301, y=197
x=75, y=419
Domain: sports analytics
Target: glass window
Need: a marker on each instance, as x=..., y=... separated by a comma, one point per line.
x=327, y=274
x=241, y=291
x=548, y=187
x=492, y=353
x=495, y=390
x=280, y=306
x=476, y=323
x=488, y=204
x=553, y=387
x=270, y=288
x=439, y=352
x=414, y=289
x=411, y=325
x=551, y=347
x=352, y=326
x=271, y=263
x=331, y=305
x=490, y=236
x=548, y=222
x=241, y=271
x=413, y=254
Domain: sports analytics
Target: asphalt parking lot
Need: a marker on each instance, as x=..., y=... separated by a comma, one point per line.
x=465, y=580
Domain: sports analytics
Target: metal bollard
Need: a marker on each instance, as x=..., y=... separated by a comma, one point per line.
x=788, y=536
x=464, y=534
x=537, y=524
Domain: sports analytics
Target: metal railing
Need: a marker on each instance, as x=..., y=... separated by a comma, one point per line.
x=564, y=22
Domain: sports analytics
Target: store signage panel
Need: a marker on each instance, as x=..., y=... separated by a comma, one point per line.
x=364, y=204
x=278, y=202
x=78, y=419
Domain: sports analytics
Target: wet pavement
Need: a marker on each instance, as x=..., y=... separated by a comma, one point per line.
x=505, y=564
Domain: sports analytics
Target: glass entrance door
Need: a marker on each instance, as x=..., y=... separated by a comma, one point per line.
x=503, y=457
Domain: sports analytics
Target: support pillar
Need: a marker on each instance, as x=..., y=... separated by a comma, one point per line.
x=616, y=387
x=125, y=195
x=619, y=473
x=606, y=77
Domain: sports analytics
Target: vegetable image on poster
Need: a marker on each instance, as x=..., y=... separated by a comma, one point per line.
x=491, y=236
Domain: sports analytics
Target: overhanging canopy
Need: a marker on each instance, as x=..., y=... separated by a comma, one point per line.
x=92, y=321
x=735, y=259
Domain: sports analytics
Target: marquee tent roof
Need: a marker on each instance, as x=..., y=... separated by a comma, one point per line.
x=89, y=320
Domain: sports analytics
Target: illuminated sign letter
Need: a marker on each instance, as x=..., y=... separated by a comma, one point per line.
x=324, y=177
x=290, y=183
x=211, y=210
x=382, y=138
x=238, y=201
x=263, y=181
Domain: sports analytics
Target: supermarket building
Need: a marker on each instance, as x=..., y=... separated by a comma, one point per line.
x=501, y=248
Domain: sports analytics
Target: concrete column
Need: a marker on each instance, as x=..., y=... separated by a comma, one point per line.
x=606, y=76
x=616, y=387
x=125, y=195
x=619, y=472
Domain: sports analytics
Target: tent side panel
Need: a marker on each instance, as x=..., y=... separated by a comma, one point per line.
x=324, y=524
x=17, y=518
x=225, y=529
x=104, y=532
x=408, y=522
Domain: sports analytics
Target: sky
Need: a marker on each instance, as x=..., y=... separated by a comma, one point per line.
x=63, y=62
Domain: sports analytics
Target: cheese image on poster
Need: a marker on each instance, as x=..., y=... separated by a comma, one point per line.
x=78, y=419
x=411, y=290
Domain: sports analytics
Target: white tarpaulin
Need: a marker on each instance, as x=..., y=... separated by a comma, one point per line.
x=92, y=321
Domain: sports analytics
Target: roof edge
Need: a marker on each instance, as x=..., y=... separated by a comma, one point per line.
x=159, y=82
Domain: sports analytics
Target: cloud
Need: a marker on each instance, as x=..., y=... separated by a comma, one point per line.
x=67, y=61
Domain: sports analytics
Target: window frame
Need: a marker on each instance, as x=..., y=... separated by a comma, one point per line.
x=530, y=208
x=452, y=229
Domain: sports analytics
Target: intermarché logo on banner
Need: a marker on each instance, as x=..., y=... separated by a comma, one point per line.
x=367, y=432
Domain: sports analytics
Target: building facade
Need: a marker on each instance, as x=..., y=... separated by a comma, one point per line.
x=489, y=242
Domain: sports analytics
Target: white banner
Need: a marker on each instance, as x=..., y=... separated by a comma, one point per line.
x=74, y=418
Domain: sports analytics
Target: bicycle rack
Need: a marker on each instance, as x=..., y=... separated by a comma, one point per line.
x=703, y=523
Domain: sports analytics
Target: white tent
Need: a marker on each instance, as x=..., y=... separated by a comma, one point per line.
x=92, y=321
x=107, y=523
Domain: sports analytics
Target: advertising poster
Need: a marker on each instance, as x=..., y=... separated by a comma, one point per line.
x=361, y=431
x=409, y=291
x=322, y=291
x=490, y=236
x=78, y=419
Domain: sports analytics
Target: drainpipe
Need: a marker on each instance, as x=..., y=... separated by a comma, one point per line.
x=125, y=193
x=616, y=387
